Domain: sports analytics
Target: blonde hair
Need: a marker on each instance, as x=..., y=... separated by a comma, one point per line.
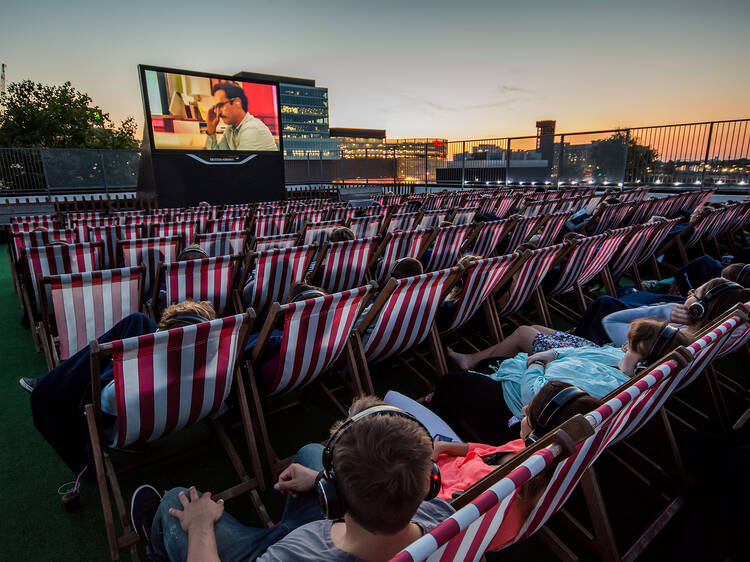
x=170, y=318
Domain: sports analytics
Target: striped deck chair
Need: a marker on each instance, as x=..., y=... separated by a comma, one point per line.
x=402, y=221
x=81, y=226
x=611, y=216
x=164, y=382
x=316, y=332
x=222, y=243
x=464, y=216
x=147, y=220
x=629, y=252
x=275, y=271
x=279, y=241
x=199, y=218
x=610, y=243
x=16, y=227
x=47, y=221
x=642, y=211
x=488, y=236
x=231, y=214
x=344, y=265
x=72, y=218
x=150, y=252
x=523, y=229
x=479, y=281
x=309, y=216
x=109, y=236
x=122, y=216
x=185, y=230
x=431, y=219
x=84, y=307
x=447, y=247
x=241, y=207
x=39, y=238
x=502, y=205
x=226, y=224
x=270, y=225
x=318, y=233
x=402, y=317
x=551, y=228
x=340, y=214
x=366, y=227
x=207, y=279
x=397, y=245
x=654, y=243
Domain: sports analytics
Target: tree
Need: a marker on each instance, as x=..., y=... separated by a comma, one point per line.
x=606, y=157
x=37, y=115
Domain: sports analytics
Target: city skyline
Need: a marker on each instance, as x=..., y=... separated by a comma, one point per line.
x=419, y=69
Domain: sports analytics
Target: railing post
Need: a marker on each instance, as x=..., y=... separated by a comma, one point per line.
x=44, y=171
x=562, y=160
x=395, y=167
x=367, y=167
x=625, y=160
x=507, y=163
x=708, y=150
x=463, y=163
x=425, y=167
x=104, y=173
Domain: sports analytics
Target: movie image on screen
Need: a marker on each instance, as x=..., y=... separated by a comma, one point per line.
x=191, y=112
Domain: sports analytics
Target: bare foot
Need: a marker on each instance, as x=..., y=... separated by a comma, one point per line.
x=463, y=361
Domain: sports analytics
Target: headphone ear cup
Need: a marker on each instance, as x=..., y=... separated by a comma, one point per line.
x=640, y=367
x=696, y=310
x=328, y=497
x=435, y=482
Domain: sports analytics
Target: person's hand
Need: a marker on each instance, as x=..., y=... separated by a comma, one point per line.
x=295, y=479
x=212, y=120
x=199, y=512
x=437, y=447
x=680, y=314
x=541, y=357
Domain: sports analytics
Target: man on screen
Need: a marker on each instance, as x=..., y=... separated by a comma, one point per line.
x=243, y=132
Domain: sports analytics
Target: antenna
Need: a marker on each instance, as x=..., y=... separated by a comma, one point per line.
x=2, y=80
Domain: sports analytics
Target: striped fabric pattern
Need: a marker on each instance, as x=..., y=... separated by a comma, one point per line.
x=110, y=235
x=82, y=226
x=551, y=229
x=464, y=216
x=44, y=261
x=407, y=317
x=654, y=242
x=490, y=235
x=207, y=279
x=226, y=224
x=431, y=219
x=366, y=227
x=631, y=249
x=270, y=225
x=315, y=334
x=150, y=252
x=345, y=264
x=529, y=277
x=402, y=221
x=41, y=238
x=168, y=380
x=479, y=283
x=76, y=216
x=402, y=244
x=447, y=247
x=502, y=206
x=185, y=230
x=611, y=243
x=222, y=243
x=86, y=305
x=200, y=218
x=15, y=227
x=708, y=347
x=521, y=230
x=263, y=243
x=318, y=233
x=309, y=216
x=275, y=271
x=47, y=221
x=340, y=214
x=576, y=262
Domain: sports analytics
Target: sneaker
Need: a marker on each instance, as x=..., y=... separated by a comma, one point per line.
x=28, y=384
x=143, y=508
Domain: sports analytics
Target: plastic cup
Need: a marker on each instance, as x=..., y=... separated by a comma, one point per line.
x=69, y=496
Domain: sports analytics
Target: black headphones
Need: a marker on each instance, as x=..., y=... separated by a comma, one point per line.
x=558, y=402
x=744, y=275
x=657, y=350
x=188, y=319
x=332, y=503
x=698, y=309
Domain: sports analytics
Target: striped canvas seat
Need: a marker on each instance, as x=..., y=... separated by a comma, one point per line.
x=222, y=243
x=226, y=224
x=401, y=244
x=278, y=241
x=340, y=214
x=270, y=225
x=522, y=230
x=631, y=249
x=366, y=227
x=610, y=243
x=576, y=262
x=87, y=305
x=122, y=216
x=200, y=218
x=150, y=252
x=309, y=216
x=551, y=228
x=402, y=221
x=611, y=216
x=148, y=220
x=464, y=216
x=655, y=241
x=489, y=235
x=318, y=233
x=72, y=218
x=110, y=235
x=480, y=281
x=345, y=264
x=47, y=221
x=81, y=226
x=501, y=206
x=207, y=279
x=275, y=271
x=40, y=238
x=531, y=274
x=447, y=246
x=431, y=219
x=185, y=230
x=16, y=227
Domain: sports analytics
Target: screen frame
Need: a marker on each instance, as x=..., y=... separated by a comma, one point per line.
x=142, y=68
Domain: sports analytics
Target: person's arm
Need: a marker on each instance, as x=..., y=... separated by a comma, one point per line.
x=617, y=324
x=197, y=518
x=448, y=448
x=532, y=381
x=295, y=479
x=213, y=144
x=255, y=137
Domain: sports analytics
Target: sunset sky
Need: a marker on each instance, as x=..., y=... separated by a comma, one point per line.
x=458, y=70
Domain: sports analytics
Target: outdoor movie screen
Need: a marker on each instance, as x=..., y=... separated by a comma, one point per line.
x=193, y=111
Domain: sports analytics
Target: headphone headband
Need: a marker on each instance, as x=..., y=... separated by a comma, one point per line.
x=698, y=309
x=558, y=402
x=309, y=294
x=744, y=275
x=189, y=318
x=665, y=336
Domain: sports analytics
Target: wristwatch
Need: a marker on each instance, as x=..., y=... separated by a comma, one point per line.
x=538, y=363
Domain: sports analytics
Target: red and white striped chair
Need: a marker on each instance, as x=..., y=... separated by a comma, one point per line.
x=222, y=243
x=16, y=227
x=340, y=214
x=344, y=265
x=185, y=230
x=446, y=249
x=318, y=233
x=275, y=270
x=551, y=228
x=269, y=225
x=299, y=219
x=402, y=317
x=164, y=382
x=432, y=219
x=397, y=245
x=523, y=229
x=110, y=235
x=402, y=221
x=207, y=279
x=81, y=226
x=488, y=236
x=40, y=238
x=199, y=218
x=611, y=216
x=72, y=217
x=148, y=220
x=85, y=306
x=628, y=253
x=263, y=243
x=47, y=221
x=226, y=224
x=366, y=227
x=464, y=216
x=609, y=245
x=150, y=252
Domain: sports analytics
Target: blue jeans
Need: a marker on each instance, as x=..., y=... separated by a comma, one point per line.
x=234, y=540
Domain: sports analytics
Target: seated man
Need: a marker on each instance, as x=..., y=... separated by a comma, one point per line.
x=384, y=479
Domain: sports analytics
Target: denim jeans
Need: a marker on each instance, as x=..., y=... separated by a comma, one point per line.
x=234, y=540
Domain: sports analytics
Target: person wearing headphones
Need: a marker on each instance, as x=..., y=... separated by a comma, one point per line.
x=369, y=493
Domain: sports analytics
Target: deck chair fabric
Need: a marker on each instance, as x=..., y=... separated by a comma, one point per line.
x=340, y=214
x=185, y=230
x=489, y=236
x=82, y=226
x=431, y=219
x=464, y=216
x=655, y=241
x=41, y=238
x=408, y=315
x=310, y=216
x=275, y=271
x=318, y=233
x=86, y=305
x=522, y=229
x=610, y=243
x=401, y=244
x=366, y=227
x=207, y=279
x=576, y=262
x=631, y=250
x=447, y=246
x=226, y=224
x=551, y=228
x=46, y=221
x=198, y=218
x=270, y=224
x=222, y=243
x=109, y=236
x=402, y=221
x=150, y=252
x=345, y=264
x=263, y=243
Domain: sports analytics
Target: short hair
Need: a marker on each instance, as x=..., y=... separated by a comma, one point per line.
x=406, y=267
x=341, y=234
x=581, y=405
x=572, y=236
x=732, y=271
x=192, y=252
x=721, y=303
x=170, y=317
x=644, y=332
x=303, y=291
x=231, y=91
x=523, y=246
x=382, y=468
